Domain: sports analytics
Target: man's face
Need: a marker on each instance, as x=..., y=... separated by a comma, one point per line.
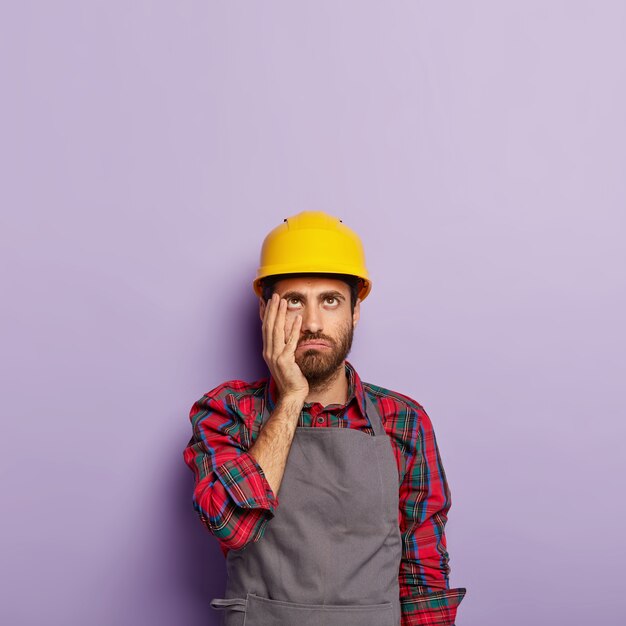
x=327, y=322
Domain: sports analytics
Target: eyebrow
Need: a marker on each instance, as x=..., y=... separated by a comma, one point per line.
x=322, y=296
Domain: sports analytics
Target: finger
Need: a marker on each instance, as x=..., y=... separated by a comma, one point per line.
x=278, y=339
x=294, y=336
x=289, y=327
x=268, y=322
x=268, y=304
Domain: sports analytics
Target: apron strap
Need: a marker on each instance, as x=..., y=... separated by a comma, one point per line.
x=236, y=604
x=374, y=417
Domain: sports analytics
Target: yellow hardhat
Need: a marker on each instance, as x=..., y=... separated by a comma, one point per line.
x=313, y=241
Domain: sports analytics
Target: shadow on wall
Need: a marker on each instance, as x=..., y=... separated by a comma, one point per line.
x=198, y=565
x=196, y=562
x=241, y=339
x=170, y=566
x=166, y=567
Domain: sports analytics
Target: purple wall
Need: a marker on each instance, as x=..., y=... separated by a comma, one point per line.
x=147, y=148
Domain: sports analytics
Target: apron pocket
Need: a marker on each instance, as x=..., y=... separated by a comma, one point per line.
x=265, y=612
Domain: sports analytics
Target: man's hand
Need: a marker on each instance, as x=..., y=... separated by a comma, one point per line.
x=271, y=447
x=279, y=347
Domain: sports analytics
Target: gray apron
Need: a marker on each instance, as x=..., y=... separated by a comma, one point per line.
x=330, y=556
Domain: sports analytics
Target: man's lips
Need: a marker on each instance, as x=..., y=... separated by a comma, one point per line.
x=314, y=344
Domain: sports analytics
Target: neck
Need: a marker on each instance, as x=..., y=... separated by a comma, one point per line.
x=333, y=390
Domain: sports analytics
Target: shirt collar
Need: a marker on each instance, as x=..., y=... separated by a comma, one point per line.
x=355, y=389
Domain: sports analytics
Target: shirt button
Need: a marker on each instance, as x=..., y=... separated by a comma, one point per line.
x=320, y=420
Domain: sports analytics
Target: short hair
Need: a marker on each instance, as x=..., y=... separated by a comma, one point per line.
x=353, y=282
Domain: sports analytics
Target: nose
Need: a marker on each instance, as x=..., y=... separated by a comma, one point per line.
x=311, y=320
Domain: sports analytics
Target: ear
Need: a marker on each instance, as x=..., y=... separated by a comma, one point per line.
x=262, y=305
x=357, y=313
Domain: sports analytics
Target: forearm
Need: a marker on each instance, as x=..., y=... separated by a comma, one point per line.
x=271, y=448
x=232, y=494
x=425, y=595
x=425, y=562
x=237, y=507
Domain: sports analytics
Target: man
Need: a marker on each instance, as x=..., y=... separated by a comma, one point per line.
x=327, y=494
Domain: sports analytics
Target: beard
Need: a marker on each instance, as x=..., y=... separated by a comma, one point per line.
x=320, y=366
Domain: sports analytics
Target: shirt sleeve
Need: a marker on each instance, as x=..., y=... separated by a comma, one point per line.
x=425, y=594
x=231, y=494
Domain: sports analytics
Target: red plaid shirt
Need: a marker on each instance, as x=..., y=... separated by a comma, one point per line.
x=235, y=501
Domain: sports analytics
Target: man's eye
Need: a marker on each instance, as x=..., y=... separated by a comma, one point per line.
x=331, y=298
x=292, y=300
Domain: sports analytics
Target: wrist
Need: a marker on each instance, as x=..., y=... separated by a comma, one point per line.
x=291, y=402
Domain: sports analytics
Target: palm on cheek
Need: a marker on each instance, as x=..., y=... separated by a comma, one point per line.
x=280, y=339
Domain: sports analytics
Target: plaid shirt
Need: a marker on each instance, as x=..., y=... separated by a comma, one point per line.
x=235, y=501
